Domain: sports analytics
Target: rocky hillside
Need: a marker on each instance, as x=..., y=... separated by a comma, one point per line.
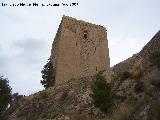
x=139, y=59
x=135, y=89
x=136, y=84
x=69, y=101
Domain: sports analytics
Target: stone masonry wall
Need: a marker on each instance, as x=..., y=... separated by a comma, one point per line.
x=80, y=49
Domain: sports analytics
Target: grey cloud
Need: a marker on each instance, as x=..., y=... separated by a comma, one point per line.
x=4, y=59
x=30, y=50
x=22, y=60
x=22, y=63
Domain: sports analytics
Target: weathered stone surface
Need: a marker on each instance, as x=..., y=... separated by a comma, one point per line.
x=142, y=74
x=140, y=59
x=79, y=49
x=68, y=101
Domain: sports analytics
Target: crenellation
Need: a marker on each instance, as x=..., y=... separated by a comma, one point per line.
x=71, y=21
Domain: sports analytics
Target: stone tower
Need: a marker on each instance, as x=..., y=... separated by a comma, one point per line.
x=79, y=49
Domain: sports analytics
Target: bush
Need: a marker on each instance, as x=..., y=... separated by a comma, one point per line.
x=139, y=87
x=156, y=83
x=137, y=73
x=155, y=58
x=155, y=110
x=126, y=111
x=102, y=97
x=64, y=95
x=123, y=113
x=43, y=94
x=125, y=75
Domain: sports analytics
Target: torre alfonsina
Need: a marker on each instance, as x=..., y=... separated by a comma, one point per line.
x=79, y=49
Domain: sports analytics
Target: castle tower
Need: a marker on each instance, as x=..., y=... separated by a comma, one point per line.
x=79, y=49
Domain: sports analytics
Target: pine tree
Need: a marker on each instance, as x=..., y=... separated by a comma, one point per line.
x=5, y=93
x=48, y=78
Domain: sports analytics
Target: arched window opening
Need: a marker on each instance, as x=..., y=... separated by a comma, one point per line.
x=85, y=36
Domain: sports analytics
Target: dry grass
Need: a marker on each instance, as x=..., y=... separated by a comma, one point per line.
x=137, y=73
x=122, y=113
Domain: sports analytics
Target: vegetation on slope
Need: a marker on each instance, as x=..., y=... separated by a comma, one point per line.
x=102, y=97
x=155, y=58
x=125, y=75
x=48, y=78
x=5, y=93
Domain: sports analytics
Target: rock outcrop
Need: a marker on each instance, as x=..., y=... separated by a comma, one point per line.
x=68, y=101
x=139, y=59
x=79, y=49
x=137, y=88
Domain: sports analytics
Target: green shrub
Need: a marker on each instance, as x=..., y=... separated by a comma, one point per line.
x=102, y=97
x=43, y=94
x=156, y=83
x=155, y=58
x=155, y=110
x=137, y=73
x=121, y=113
x=64, y=95
x=139, y=87
x=125, y=75
x=126, y=111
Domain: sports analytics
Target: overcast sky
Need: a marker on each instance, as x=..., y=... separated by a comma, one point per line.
x=27, y=33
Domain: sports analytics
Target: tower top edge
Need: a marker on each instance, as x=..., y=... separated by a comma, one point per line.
x=71, y=19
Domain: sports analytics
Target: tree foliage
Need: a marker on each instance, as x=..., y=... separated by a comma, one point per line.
x=48, y=78
x=139, y=87
x=5, y=93
x=102, y=97
x=125, y=75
